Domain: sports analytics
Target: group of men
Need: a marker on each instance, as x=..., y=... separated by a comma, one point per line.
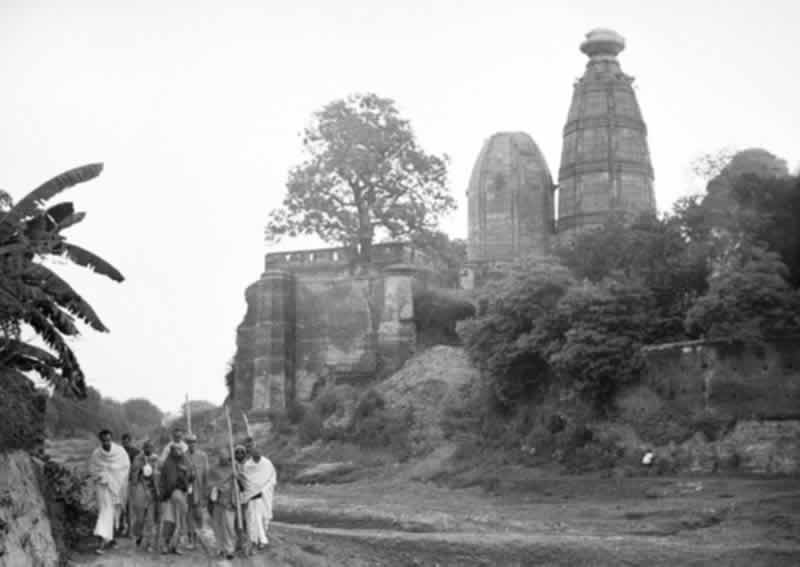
x=160, y=499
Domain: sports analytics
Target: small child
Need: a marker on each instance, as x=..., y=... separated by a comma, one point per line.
x=222, y=509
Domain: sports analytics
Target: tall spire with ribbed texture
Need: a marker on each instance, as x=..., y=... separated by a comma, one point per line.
x=605, y=161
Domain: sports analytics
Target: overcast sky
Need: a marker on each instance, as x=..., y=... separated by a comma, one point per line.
x=195, y=108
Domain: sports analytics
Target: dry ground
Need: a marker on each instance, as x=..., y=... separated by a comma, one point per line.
x=527, y=519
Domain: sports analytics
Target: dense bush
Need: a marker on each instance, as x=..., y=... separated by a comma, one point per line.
x=749, y=298
x=22, y=408
x=69, y=504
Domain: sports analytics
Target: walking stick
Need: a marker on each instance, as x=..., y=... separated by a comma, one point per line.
x=236, y=495
x=188, y=416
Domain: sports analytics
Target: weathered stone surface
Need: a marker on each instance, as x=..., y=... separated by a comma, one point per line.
x=510, y=200
x=605, y=160
x=319, y=317
x=25, y=535
x=434, y=382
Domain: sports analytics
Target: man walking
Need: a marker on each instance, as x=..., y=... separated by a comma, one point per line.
x=125, y=519
x=144, y=497
x=198, y=488
x=108, y=466
x=222, y=508
x=175, y=478
x=258, y=480
x=177, y=439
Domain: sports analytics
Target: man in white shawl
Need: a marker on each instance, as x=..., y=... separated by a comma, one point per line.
x=108, y=467
x=258, y=480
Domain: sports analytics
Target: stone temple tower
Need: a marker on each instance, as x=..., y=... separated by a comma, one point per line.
x=605, y=161
x=509, y=200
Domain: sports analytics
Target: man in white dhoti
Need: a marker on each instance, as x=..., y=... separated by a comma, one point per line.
x=108, y=466
x=258, y=478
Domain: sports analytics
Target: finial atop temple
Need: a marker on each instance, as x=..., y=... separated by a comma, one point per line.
x=602, y=41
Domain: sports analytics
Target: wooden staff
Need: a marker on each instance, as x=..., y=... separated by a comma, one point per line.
x=236, y=495
x=188, y=416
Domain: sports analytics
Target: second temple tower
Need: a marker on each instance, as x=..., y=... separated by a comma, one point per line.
x=605, y=168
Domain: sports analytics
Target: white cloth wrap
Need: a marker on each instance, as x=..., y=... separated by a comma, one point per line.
x=110, y=470
x=259, y=478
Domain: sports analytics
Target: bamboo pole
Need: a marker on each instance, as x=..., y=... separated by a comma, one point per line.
x=236, y=495
x=188, y=416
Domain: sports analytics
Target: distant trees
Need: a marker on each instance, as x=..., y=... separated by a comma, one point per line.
x=142, y=414
x=365, y=178
x=32, y=295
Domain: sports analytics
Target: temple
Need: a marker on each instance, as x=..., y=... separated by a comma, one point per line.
x=510, y=199
x=605, y=161
x=317, y=317
x=605, y=169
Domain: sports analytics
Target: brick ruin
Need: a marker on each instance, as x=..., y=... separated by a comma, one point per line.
x=318, y=316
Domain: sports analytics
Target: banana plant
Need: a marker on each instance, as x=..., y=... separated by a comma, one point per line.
x=32, y=294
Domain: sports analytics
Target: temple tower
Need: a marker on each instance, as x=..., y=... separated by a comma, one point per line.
x=605, y=161
x=510, y=200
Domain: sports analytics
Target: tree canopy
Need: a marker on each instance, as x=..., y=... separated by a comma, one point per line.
x=365, y=178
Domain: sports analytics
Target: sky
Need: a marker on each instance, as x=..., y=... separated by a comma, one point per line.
x=196, y=109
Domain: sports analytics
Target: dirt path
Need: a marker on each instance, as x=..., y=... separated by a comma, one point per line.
x=564, y=521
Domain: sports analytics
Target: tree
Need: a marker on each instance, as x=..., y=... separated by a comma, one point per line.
x=606, y=326
x=509, y=339
x=655, y=252
x=34, y=295
x=365, y=178
x=768, y=212
x=749, y=298
x=450, y=254
x=142, y=413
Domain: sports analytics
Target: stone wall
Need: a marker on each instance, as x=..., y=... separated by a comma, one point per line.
x=26, y=538
x=317, y=317
x=731, y=378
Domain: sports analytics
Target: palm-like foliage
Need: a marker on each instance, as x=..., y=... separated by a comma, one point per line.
x=31, y=293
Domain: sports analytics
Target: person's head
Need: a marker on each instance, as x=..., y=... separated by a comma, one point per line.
x=126, y=439
x=191, y=442
x=177, y=434
x=105, y=439
x=249, y=445
x=240, y=453
x=147, y=448
x=255, y=454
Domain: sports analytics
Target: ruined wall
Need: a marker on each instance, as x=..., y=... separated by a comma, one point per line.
x=318, y=317
x=739, y=380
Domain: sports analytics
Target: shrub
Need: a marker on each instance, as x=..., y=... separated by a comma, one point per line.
x=23, y=409
x=310, y=427
x=376, y=426
x=71, y=515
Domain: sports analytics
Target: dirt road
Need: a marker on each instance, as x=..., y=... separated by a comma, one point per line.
x=562, y=521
